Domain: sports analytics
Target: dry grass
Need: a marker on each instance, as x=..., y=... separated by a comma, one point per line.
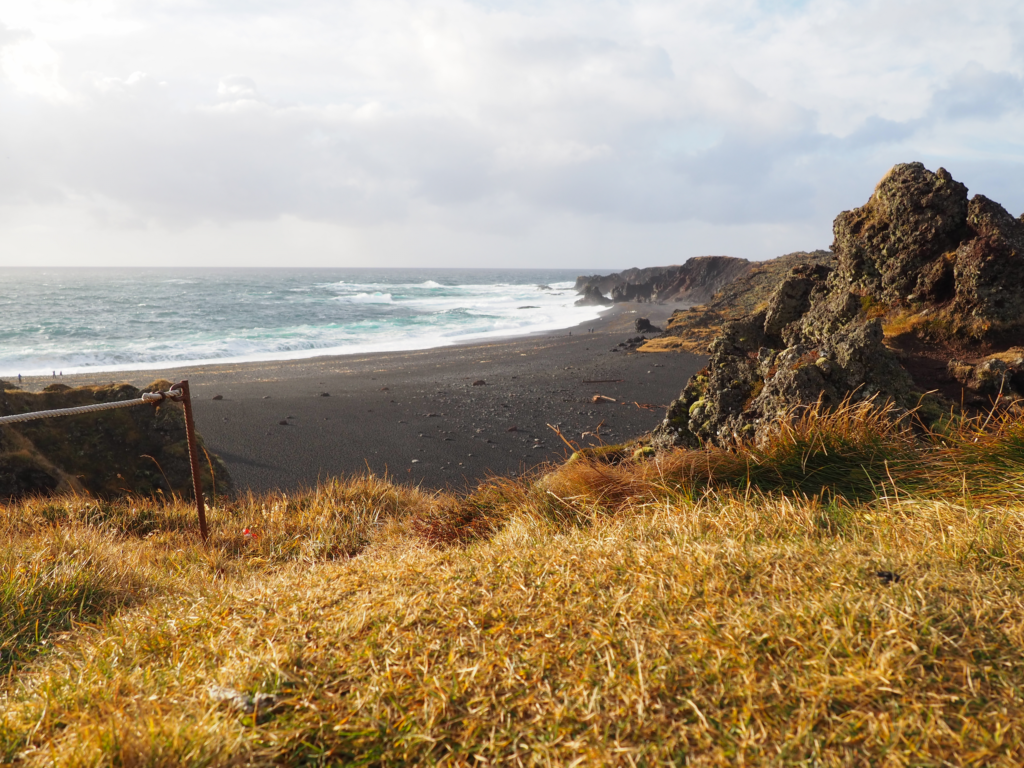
x=647, y=613
x=670, y=344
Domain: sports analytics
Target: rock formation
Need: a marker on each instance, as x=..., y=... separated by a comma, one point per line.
x=695, y=281
x=644, y=325
x=924, y=294
x=592, y=297
x=137, y=450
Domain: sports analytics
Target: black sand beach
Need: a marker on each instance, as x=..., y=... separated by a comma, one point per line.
x=420, y=416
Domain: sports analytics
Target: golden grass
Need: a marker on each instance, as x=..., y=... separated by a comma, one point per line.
x=668, y=344
x=646, y=613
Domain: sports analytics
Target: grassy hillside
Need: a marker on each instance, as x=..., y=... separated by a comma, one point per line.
x=848, y=594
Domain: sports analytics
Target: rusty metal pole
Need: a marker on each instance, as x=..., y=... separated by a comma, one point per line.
x=193, y=456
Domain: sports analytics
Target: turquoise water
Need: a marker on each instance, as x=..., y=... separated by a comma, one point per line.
x=81, y=320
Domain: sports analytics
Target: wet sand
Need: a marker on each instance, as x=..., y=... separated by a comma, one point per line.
x=419, y=416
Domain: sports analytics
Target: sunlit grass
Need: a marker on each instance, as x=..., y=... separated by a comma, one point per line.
x=847, y=594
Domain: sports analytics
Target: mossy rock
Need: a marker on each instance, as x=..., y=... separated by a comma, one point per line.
x=611, y=454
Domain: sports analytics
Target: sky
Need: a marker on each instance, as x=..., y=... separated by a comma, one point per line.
x=485, y=133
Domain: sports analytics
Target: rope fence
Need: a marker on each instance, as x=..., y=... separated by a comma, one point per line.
x=177, y=393
x=150, y=398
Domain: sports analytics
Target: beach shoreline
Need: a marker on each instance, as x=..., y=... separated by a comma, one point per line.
x=419, y=416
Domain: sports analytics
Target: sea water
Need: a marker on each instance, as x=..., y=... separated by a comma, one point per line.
x=79, y=320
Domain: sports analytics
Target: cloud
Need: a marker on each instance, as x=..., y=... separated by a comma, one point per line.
x=236, y=88
x=498, y=115
x=976, y=92
x=31, y=65
x=10, y=36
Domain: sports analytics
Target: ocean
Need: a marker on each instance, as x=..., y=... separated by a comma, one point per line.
x=81, y=320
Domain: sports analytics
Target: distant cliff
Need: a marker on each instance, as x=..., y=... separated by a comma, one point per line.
x=695, y=281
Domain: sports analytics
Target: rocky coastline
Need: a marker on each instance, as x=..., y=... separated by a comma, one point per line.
x=695, y=281
x=917, y=304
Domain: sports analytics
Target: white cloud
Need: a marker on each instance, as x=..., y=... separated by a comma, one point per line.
x=507, y=120
x=237, y=88
x=32, y=67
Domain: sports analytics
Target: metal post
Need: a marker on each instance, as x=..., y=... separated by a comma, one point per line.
x=193, y=456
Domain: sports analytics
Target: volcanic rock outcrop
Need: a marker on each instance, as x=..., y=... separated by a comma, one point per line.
x=924, y=294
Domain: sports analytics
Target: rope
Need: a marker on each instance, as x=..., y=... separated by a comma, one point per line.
x=149, y=398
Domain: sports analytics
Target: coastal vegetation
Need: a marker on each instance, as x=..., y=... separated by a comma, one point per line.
x=845, y=593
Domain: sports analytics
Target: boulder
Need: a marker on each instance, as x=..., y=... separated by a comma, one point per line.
x=763, y=365
x=888, y=247
x=988, y=268
x=644, y=325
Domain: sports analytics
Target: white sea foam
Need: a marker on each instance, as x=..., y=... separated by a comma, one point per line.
x=245, y=316
x=368, y=298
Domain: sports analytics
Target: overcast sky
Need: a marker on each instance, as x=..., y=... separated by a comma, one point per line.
x=488, y=133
